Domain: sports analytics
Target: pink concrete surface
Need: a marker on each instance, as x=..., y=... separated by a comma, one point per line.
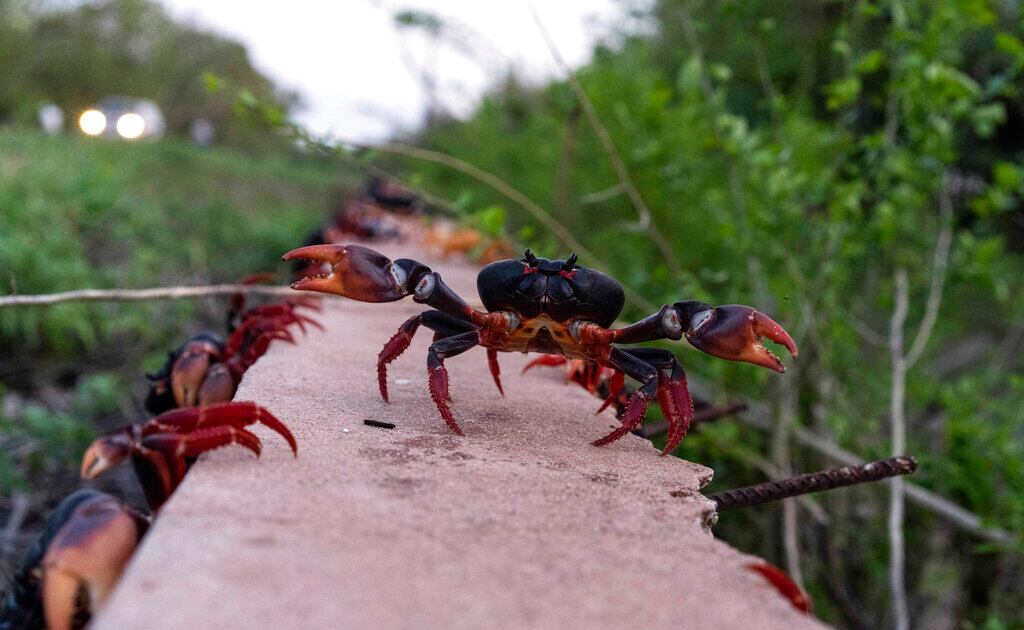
x=519, y=524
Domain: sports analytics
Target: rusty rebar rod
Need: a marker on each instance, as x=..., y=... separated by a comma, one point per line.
x=813, y=482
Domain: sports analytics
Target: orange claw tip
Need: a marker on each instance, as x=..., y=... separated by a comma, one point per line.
x=329, y=253
x=102, y=455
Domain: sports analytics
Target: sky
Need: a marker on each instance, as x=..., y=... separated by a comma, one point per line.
x=360, y=76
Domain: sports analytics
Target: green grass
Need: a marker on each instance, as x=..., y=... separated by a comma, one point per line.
x=82, y=213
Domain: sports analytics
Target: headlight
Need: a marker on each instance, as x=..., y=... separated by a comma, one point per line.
x=130, y=126
x=92, y=122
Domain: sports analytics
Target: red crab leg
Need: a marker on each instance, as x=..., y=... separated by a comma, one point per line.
x=783, y=583
x=393, y=349
x=634, y=415
x=615, y=385
x=677, y=405
x=235, y=414
x=492, y=361
x=552, y=360
x=284, y=312
x=306, y=301
x=438, y=383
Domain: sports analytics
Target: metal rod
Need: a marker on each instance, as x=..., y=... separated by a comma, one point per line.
x=813, y=482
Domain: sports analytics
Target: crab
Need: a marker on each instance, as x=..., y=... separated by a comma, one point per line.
x=73, y=566
x=164, y=448
x=207, y=370
x=553, y=307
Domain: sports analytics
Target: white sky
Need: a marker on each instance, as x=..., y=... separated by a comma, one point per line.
x=351, y=64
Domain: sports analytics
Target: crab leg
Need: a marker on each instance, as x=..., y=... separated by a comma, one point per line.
x=492, y=362
x=443, y=325
x=438, y=375
x=673, y=393
x=638, y=403
x=234, y=414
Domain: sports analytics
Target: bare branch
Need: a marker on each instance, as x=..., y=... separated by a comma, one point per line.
x=645, y=220
x=134, y=295
x=601, y=196
x=940, y=261
x=866, y=333
x=558, y=230
x=941, y=506
x=20, y=504
x=758, y=417
x=898, y=423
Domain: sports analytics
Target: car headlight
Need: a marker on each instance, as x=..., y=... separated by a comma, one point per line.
x=92, y=122
x=130, y=126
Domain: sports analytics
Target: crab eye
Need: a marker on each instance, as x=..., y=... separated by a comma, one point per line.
x=700, y=320
x=425, y=286
x=399, y=275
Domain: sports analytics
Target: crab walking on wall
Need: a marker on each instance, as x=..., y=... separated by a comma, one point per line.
x=553, y=307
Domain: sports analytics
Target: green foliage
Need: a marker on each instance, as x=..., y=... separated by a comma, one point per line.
x=82, y=213
x=96, y=214
x=795, y=166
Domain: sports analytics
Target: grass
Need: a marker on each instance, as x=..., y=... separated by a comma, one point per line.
x=77, y=212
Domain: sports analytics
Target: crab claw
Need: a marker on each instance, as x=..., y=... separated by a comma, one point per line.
x=86, y=555
x=357, y=272
x=188, y=373
x=105, y=453
x=734, y=332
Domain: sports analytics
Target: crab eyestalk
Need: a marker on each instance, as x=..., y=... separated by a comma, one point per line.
x=357, y=272
x=734, y=332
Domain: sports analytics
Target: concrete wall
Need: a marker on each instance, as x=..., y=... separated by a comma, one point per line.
x=521, y=523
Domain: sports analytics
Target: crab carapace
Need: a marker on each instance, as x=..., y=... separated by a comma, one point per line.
x=553, y=307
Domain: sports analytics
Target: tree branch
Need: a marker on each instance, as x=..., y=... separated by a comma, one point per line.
x=645, y=221
x=898, y=423
x=135, y=295
x=940, y=261
x=558, y=230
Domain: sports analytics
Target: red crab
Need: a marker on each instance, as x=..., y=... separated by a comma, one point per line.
x=206, y=370
x=553, y=307
x=162, y=449
x=607, y=383
x=69, y=572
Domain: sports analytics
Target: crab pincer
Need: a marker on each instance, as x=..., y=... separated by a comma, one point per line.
x=357, y=272
x=735, y=332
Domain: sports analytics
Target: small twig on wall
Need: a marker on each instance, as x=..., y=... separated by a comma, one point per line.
x=134, y=295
